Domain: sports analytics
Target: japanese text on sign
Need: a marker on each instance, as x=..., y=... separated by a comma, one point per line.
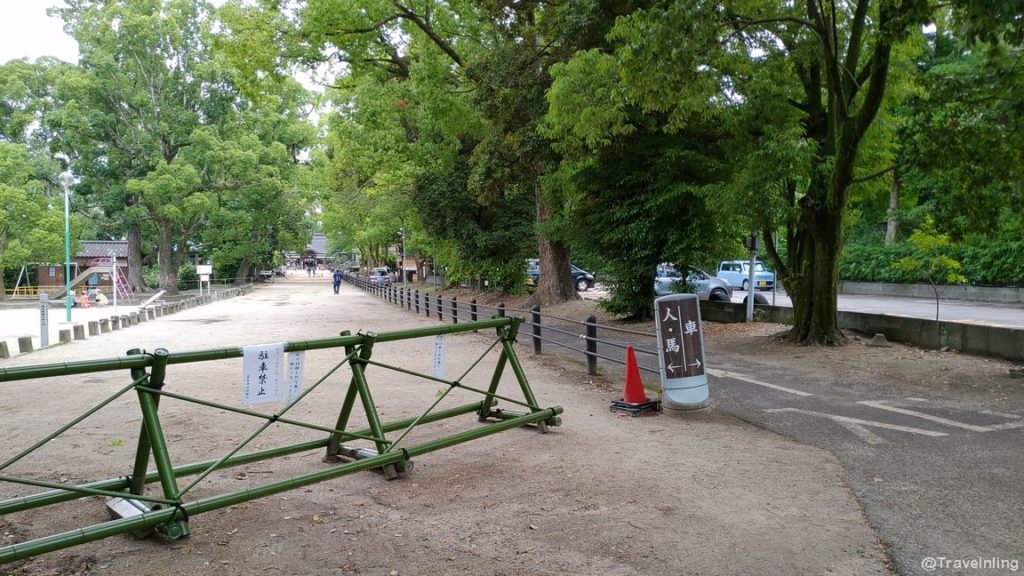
x=682, y=348
x=438, y=367
x=296, y=367
x=262, y=365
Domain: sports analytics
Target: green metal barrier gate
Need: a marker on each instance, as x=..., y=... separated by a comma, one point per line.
x=170, y=512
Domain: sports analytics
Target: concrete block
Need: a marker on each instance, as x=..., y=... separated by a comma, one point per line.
x=1001, y=343
x=104, y=325
x=133, y=318
x=125, y=322
x=94, y=328
x=879, y=341
x=65, y=336
x=976, y=338
x=953, y=335
x=79, y=331
x=24, y=344
x=141, y=315
x=4, y=351
x=115, y=323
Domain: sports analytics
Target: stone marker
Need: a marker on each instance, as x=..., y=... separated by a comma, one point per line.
x=24, y=344
x=65, y=336
x=879, y=341
x=4, y=352
x=94, y=328
x=79, y=331
x=104, y=325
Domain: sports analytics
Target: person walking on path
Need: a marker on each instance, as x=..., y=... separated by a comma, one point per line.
x=337, y=280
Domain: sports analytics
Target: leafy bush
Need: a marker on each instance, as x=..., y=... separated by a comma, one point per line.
x=187, y=277
x=151, y=276
x=983, y=261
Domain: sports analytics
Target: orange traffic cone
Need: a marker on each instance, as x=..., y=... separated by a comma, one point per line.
x=634, y=390
x=634, y=399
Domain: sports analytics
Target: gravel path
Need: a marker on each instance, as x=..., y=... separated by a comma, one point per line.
x=599, y=495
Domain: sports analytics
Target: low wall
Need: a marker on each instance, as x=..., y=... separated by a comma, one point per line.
x=1007, y=295
x=996, y=341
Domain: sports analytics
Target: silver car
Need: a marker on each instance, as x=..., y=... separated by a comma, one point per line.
x=668, y=280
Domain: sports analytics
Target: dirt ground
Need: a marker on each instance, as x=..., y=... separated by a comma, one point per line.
x=601, y=494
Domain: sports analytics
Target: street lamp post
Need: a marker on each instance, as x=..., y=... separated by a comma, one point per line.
x=401, y=265
x=66, y=180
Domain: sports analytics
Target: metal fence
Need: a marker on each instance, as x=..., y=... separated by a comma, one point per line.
x=169, y=510
x=594, y=342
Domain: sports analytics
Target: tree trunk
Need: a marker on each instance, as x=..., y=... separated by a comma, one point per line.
x=3, y=288
x=168, y=262
x=893, y=225
x=818, y=242
x=243, y=272
x=135, y=258
x=555, y=282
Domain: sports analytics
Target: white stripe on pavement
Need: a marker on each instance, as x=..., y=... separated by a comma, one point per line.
x=937, y=419
x=848, y=420
x=735, y=376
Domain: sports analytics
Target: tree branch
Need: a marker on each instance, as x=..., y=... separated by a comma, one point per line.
x=427, y=29
x=874, y=175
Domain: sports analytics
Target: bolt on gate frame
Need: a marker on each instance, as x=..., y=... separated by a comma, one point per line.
x=169, y=512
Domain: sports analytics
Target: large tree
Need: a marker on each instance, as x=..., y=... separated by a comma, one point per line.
x=31, y=229
x=426, y=61
x=799, y=84
x=164, y=141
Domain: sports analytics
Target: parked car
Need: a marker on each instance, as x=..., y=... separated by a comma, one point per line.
x=582, y=279
x=668, y=280
x=737, y=272
x=380, y=276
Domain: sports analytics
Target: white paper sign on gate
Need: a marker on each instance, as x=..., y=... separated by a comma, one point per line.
x=296, y=368
x=438, y=371
x=262, y=367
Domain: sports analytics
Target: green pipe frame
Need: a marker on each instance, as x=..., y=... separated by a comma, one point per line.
x=171, y=513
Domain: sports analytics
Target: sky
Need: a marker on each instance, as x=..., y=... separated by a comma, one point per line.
x=26, y=30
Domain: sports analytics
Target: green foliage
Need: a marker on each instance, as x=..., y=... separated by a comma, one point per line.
x=929, y=258
x=31, y=213
x=645, y=204
x=982, y=261
x=188, y=279
x=151, y=276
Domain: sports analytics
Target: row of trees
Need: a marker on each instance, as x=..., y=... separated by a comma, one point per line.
x=628, y=131
x=167, y=150
x=639, y=131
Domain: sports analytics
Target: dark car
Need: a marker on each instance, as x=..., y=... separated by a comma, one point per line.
x=582, y=279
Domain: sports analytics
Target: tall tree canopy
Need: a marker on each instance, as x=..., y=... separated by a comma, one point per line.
x=162, y=137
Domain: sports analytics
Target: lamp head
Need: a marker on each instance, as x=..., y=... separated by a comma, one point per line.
x=66, y=179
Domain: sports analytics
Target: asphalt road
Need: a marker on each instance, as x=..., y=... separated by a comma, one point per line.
x=937, y=473
x=949, y=310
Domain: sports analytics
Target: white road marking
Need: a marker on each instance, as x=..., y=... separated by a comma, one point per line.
x=937, y=419
x=848, y=420
x=864, y=434
x=1006, y=426
x=735, y=376
x=1003, y=414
